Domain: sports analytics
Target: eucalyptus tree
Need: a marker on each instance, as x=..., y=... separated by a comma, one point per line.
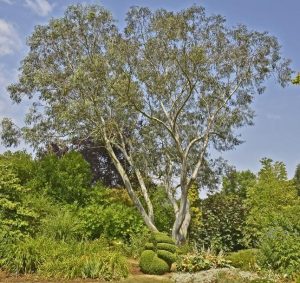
x=166, y=92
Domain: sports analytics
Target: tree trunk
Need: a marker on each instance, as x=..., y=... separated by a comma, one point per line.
x=145, y=194
x=147, y=219
x=180, y=228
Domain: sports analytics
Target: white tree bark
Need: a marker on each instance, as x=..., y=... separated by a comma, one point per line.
x=147, y=218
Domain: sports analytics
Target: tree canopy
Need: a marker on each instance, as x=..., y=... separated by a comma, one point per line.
x=237, y=183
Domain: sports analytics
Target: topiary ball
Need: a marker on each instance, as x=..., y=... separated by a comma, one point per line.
x=150, y=263
x=168, y=257
x=162, y=238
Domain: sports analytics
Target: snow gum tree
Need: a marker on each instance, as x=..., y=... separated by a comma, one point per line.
x=166, y=92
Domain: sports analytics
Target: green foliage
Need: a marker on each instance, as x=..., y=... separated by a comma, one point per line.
x=104, y=196
x=195, y=210
x=120, y=222
x=272, y=201
x=150, y=263
x=187, y=248
x=136, y=244
x=21, y=163
x=237, y=183
x=116, y=221
x=280, y=251
x=104, y=265
x=195, y=262
x=42, y=205
x=23, y=256
x=223, y=221
x=62, y=224
x=296, y=80
x=17, y=218
x=10, y=134
x=273, y=222
x=110, y=214
x=244, y=259
x=163, y=210
x=66, y=179
x=297, y=178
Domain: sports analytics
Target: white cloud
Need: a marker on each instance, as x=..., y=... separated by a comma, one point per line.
x=7, y=108
x=40, y=7
x=4, y=81
x=7, y=76
x=9, y=38
x=10, y=2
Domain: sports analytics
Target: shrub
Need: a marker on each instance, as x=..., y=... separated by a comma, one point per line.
x=65, y=179
x=168, y=257
x=201, y=261
x=280, y=251
x=61, y=225
x=187, y=248
x=272, y=201
x=146, y=258
x=15, y=216
x=21, y=163
x=244, y=259
x=163, y=210
x=116, y=222
x=223, y=220
x=150, y=263
x=166, y=247
x=192, y=263
x=136, y=244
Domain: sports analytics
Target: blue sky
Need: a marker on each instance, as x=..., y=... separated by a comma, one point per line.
x=276, y=133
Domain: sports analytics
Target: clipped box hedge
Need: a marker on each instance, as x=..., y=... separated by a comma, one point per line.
x=167, y=247
x=149, y=246
x=159, y=254
x=168, y=257
x=162, y=238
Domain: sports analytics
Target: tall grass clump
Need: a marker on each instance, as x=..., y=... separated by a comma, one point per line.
x=64, y=260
